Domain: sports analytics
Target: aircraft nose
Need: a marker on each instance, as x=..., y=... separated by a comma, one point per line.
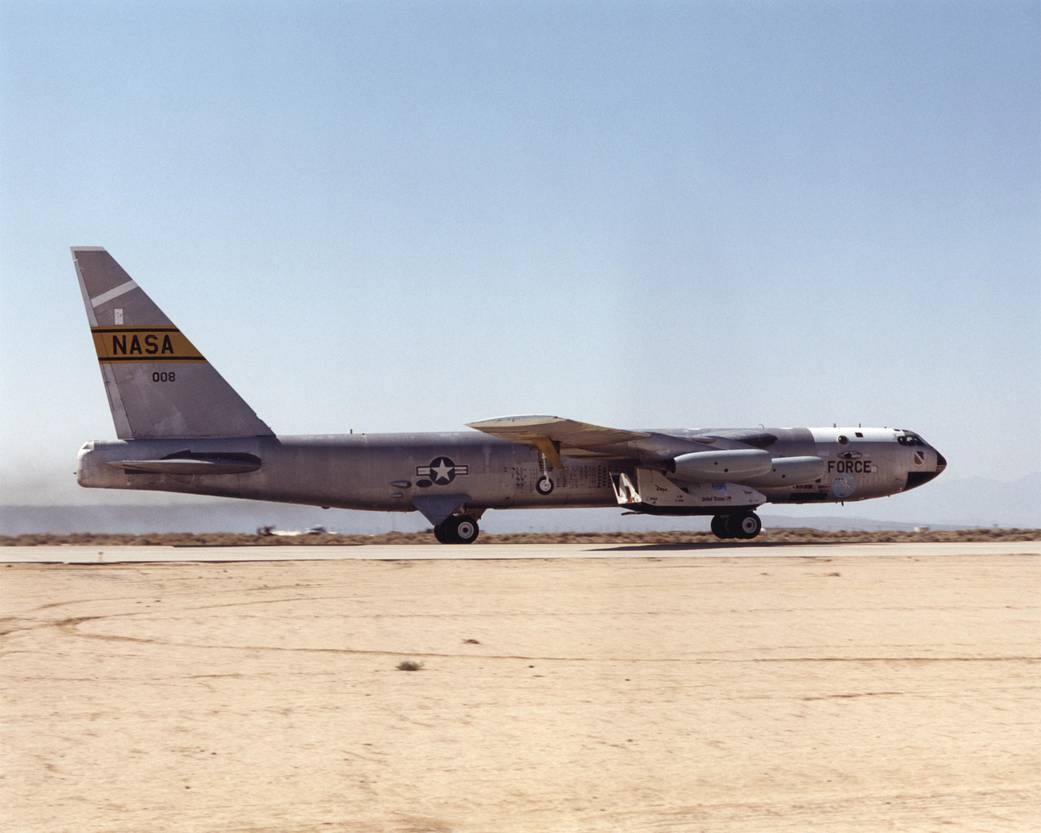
x=917, y=478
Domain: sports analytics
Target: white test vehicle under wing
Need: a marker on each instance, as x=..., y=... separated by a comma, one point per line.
x=183, y=428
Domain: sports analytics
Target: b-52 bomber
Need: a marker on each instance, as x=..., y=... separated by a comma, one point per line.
x=182, y=428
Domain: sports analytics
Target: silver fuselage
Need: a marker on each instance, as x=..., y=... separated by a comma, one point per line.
x=183, y=428
x=395, y=472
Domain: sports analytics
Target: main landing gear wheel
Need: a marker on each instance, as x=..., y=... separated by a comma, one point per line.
x=745, y=525
x=458, y=529
x=719, y=526
x=466, y=530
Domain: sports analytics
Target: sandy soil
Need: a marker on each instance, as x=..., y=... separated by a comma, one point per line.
x=768, y=694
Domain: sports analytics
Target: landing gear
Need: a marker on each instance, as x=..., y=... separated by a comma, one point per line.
x=745, y=525
x=465, y=530
x=457, y=529
x=719, y=526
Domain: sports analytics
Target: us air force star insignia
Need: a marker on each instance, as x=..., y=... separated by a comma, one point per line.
x=441, y=470
x=443, y=473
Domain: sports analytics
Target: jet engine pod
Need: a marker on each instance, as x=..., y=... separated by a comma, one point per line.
x=790, y=471
x=720, y=466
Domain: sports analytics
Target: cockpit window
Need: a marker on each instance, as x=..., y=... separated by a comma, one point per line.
x=910, y=438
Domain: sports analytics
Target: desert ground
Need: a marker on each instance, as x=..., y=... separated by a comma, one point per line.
x=654, y=690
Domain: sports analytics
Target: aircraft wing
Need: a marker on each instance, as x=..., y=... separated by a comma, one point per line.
x=553, y=435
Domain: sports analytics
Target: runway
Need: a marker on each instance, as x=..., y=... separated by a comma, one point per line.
x=439, y=552
x=840, y=688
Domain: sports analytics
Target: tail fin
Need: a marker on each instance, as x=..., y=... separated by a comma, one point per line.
x=158, y=384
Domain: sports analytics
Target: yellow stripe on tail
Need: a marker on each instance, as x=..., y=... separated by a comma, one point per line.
x=143, y=344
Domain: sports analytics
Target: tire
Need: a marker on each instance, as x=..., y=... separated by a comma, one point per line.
x=719, y=526
x=544, y=485
x=464, y=529
x=744, y=525
x=441, y=532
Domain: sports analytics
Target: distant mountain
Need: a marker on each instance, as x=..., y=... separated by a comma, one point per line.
x=972, y=501
x=956, y=503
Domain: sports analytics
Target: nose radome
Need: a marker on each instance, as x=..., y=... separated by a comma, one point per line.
x=917, y=476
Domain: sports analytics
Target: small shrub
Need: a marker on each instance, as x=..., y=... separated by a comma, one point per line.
x=409, y=665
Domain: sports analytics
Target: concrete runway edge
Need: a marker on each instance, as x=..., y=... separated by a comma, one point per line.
x=484, y=552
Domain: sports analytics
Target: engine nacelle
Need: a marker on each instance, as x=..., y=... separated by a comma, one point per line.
x=721, y=466
x=790, y=471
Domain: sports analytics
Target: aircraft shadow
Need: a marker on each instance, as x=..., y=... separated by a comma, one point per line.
x=715, y=546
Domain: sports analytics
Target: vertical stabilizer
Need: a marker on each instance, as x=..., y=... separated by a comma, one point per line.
x=158, y=384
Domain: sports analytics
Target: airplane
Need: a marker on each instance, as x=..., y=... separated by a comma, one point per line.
x=183, y=428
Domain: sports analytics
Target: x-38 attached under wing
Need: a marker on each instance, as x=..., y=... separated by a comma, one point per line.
x=183, y=428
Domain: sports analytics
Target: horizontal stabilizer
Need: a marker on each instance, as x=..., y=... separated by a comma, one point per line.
x=191, y=464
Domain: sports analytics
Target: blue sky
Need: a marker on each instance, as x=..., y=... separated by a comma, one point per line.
x=411, y=216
